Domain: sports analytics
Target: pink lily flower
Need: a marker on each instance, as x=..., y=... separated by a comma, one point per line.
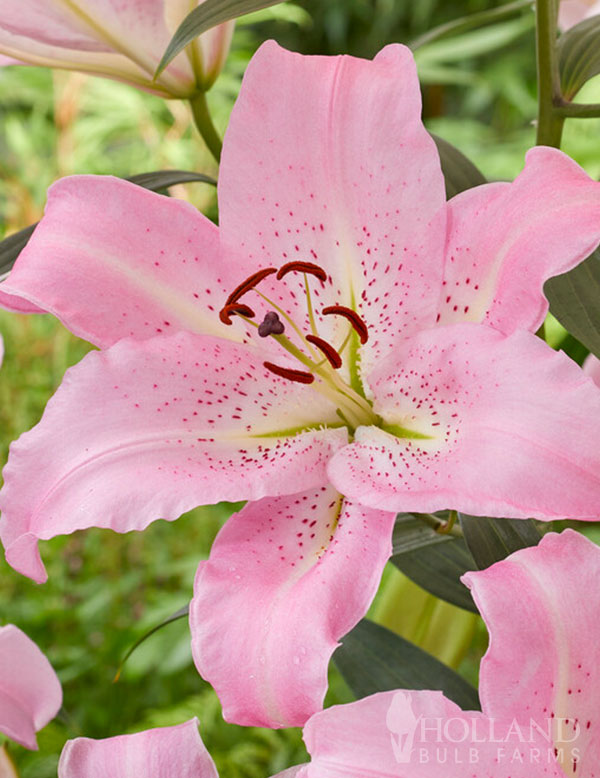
x=571, y=12
x=539, y=686
x=30, y=692
x=120, y=40
x=165, y=752
x=396, y=371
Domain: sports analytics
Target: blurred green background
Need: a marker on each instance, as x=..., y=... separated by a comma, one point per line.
x=104, y=589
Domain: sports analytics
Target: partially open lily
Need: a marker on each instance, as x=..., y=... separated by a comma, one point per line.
x=123, y=40
x=539, y=686
x=30, y=692
x=344, y=346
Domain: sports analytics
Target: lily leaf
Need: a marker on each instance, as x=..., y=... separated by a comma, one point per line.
x=163, y=179
x=11, y=247
x=459, y=172
x=491, y=540
x=373, y=659
x=203, y=18
x=579, y=55
x=472, y=21
x=432, y=560
x=575, y=301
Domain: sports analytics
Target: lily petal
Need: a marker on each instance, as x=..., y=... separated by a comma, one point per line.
x=17, y=304
x=541, y=606
x=150, y=429
x=496, y=259
x=404, y=734
x=508, y=427
x=591, y=367
x=165, y=752
x=112, y=260
x=30, y=692
x=326, y=160
x=286, y=578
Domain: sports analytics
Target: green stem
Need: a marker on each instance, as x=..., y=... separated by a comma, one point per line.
x=437, y=524
x=204, y=123
x=550, y=121
x=578, y=110
x=447, y=527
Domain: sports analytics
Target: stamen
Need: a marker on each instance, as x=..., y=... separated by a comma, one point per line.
x=239, y=308
x=271, y=325
x=355, y=320
x=292, y=375
x=249, y=284
x=302, y=267
x=332, y=355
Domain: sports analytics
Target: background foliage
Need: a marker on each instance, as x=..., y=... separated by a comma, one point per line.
x=105, y=590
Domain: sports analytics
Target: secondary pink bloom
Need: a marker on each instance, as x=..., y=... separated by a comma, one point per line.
x=571, y=12
x=30, y=692
x=539, y=686
x=413, y=339
x=165, y=752
x=122, y=39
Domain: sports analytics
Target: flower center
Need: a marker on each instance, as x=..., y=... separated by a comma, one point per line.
x=320, y=359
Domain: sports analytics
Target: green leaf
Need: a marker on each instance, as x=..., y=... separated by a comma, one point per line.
x=459, y=172
x=472, y=21
x=180, y=614
x=475, y=43
x=491, y=540
x=579, y=55
x=432, y=560
x=163, y=179
x=11, y=247
x=575, y=301
x=372, y=659
x=207, y=15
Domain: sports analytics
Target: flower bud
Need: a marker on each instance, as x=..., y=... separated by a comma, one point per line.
x=124, y=41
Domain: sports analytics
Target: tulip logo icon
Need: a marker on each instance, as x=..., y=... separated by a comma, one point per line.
x=402, y=724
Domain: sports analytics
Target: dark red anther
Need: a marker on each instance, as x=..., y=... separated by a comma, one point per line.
x=249, y=284
x=292, y=375
x=239, y=308
x=355, y=320
x=328, y=350
x=302, y=267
